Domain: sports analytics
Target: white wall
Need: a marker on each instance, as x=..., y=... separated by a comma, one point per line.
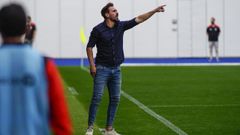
x=167, y=30
x=232, y=28
x=199, y=24
x=179, y=32
x=184, y=28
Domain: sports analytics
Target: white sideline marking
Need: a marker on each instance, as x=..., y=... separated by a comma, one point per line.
x=85, y=69
x=183, y=106
x=73, y=91
x=149, y=111
x=155, y=115
x=180, y=64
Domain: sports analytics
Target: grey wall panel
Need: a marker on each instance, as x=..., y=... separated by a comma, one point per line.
x=3, y=2
x=30, y=6
x=232, y=28
x=48, y=23
x=145, y=34
x=199, y=25
x=167, y=29
x=71, y=22
x=184, y=28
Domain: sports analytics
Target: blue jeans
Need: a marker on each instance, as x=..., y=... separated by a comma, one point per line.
x=110, y=76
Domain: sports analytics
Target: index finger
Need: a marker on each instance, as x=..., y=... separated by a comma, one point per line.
x=163, y=5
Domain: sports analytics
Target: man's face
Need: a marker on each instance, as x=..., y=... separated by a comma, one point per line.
x=112, y=14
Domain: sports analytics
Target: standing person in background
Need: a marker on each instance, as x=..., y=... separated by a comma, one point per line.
x=30, y=31
x=31, y=91
x=108, y=37
x=213, y=31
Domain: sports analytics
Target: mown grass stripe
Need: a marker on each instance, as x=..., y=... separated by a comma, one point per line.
x=153, y=114
x=184, y=106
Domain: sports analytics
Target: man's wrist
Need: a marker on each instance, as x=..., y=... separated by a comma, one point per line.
x=154, y=11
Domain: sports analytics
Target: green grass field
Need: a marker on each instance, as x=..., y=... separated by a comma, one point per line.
x=198, y=100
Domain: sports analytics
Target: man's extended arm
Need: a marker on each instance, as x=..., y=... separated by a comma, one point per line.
x=144, y=17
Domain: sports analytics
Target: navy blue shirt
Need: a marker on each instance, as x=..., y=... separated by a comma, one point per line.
x=109, y=42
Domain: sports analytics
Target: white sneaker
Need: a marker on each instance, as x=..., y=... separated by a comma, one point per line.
x=89, y=131
x=112, y=132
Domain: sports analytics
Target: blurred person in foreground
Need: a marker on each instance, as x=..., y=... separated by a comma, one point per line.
x=30, y=31
x=31, y=92
x=108, y=37
x=213, y=32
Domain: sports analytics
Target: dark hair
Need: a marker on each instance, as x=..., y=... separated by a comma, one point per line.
x=105, y=9
x=12, y=20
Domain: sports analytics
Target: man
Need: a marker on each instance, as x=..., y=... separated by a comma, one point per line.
x=31, y=92
x=30, y=32
x=213, y=32
x=108, y=37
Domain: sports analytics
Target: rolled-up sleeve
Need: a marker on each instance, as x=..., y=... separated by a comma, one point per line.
x=93, y=38
x=129, y=24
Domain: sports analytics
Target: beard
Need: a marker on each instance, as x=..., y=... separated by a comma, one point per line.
x=115, y=19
